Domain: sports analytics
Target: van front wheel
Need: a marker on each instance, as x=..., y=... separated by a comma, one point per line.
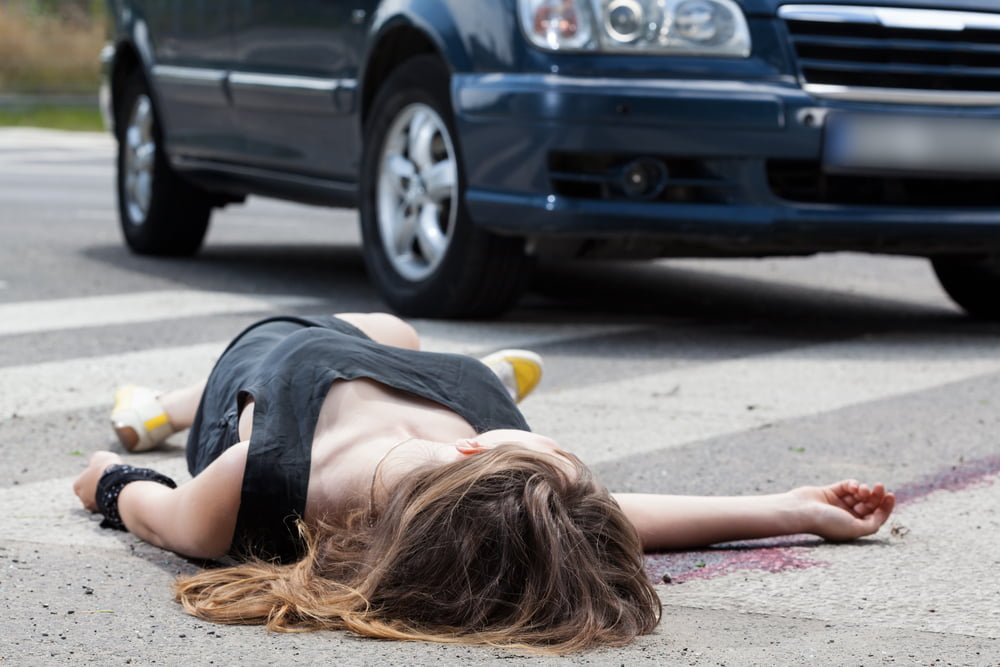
x=425, y=255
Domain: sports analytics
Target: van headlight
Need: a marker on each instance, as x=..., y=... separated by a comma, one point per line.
x=682, y=27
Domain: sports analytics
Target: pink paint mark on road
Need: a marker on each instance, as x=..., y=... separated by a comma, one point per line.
x=956, y=478
x=793, y=552
x=771, y=555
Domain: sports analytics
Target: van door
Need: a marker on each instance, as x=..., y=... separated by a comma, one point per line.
x=192, y=53
x=295, y=84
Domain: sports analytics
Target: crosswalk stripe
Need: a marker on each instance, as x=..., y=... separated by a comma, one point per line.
x=118, y=309
x=695, y=403
x=53, y=157
x=21, y=138
x=439, y=336
x=681, y=405
x=78, y=384
x=61, y=171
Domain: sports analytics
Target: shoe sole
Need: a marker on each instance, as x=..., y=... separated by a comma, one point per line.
x=128, y=437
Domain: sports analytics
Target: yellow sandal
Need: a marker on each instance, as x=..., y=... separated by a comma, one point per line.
x=138, y=419
x=519, y=370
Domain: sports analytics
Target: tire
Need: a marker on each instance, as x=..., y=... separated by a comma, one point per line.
x=160, y=213
x=424, y=254
x=973, y=283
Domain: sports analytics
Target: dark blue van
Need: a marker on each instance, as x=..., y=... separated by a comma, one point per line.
x=478, y=135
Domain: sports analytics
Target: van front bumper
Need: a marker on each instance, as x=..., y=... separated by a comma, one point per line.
x=740, y=165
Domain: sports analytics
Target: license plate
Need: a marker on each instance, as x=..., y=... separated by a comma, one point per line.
x=929, y=145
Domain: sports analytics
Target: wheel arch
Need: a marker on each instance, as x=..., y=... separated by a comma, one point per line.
x=396, y=43
x=456, y=31
x=133, y=51
x=127, y=61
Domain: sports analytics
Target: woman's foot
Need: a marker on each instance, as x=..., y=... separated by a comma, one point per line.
x=139, y=421
x=519, y=370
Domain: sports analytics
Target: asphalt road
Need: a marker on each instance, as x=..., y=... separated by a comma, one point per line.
x=717, y=377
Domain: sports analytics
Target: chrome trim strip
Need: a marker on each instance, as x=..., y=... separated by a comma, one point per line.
x=903, y=95
x=893, y=17
x=252, y=79
x=288, y=82
x=189, y=74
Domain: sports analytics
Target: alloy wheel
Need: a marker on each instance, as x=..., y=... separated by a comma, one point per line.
x=140, y=158
x=417, y=192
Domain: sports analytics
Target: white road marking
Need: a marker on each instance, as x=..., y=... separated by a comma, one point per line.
x=78, y=384
x=694, y=403
x=26, y=151
x=438, y=336
x=116, y=309
x=44, y=157
x=33, y=137
x=57, y=171
x=680, y=406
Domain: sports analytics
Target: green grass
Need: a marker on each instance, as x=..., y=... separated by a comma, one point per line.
x=50, y=48
x=59, y=118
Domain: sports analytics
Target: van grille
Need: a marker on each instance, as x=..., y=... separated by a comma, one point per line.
x=846, y=47
x=806, y=182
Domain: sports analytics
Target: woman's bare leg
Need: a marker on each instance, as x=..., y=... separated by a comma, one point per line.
x=518, y=370
x=384, y=328
x=182, y=404
x=842, y=511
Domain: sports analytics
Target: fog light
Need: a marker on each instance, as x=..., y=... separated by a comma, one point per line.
x=644, y=178
x=625, y=21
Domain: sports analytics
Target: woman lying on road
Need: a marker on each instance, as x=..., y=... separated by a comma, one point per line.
x=368, y=486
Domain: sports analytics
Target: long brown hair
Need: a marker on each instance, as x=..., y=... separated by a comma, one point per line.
x=505, y=548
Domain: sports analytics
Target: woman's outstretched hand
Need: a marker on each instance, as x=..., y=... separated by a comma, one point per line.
x=85, y=486
x=845, y=510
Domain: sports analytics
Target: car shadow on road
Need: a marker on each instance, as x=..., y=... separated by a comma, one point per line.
x=584, y=292
x=705, y=296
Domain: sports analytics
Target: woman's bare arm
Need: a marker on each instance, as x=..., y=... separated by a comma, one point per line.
x=842, y=511
x=196, y=519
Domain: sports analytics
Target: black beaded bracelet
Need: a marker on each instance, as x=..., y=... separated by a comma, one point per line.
x=111, y=484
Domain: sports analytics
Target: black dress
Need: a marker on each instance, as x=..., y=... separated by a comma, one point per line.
x=287, y=365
